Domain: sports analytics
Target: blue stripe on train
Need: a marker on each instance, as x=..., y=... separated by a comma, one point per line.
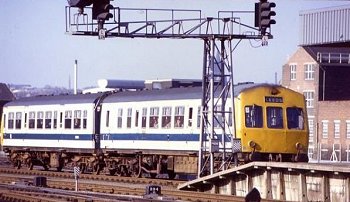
x=123, y=136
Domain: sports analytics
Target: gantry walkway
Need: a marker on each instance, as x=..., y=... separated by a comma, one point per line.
x=280, y=181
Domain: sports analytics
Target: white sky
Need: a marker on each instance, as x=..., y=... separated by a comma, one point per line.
x=35, y=50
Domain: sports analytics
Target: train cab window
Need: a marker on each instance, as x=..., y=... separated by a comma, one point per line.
x=144, y=117
x=253, y=116
x=18, y=120
x=48, y=119
x=31, y=120
x=190, y=117
x=55, y=119
x=120, y=118
x=274, y=117
x=68, y=119
x=40, y=120
x=77, y=119
x=166, y=117
x=179, y=117
x=10, y=121
x=128, y=118
x=84, y=119
x=295, y=118
x=154, y=117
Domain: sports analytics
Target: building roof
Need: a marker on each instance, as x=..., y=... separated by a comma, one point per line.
x=5, y=93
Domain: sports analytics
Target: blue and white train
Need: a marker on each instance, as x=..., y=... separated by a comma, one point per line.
x=150, y=131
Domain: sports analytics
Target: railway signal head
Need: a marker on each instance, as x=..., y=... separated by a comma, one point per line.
x=263, y=14
x=100, y=10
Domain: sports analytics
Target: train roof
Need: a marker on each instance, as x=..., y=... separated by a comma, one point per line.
x=168, y=94
x=126, y=96
x=55, y=99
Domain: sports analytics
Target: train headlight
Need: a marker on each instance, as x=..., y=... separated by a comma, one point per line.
x=299, y=146
x=252, y=144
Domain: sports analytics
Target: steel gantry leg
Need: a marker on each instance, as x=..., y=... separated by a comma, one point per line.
x=217, y=128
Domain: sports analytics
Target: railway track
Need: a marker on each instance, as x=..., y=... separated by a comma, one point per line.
x=17, y=185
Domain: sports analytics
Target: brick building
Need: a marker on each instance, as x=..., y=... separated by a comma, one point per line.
x=322, y=74
x=320, y=69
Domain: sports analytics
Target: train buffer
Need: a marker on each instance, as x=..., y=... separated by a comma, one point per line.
x=279, y=181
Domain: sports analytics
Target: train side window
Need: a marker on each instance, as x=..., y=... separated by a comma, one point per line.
x=128, y=119
x=230, y=117
x=154, y=117
x=179, y=117
x=18, y=120
x=68, y=119
x=295, y=118
x=137, y=118
x=40, y=120
x=120, y=118
x=190, y=116
x=55, y=119
x=48, y=119
x=77, y=119
x=61, y=119
x=84, y=119
x=25, y=120
x=107, y=118
x=31, y=120
x=218, y=115
x=274, y=117
x=166, y=117
x=10, y=120
x=253, y=116
x=144, y=117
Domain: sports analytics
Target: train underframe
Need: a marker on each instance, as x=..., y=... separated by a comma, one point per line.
x=131, y=164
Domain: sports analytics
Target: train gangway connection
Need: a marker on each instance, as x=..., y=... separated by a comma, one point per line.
x=279, y=181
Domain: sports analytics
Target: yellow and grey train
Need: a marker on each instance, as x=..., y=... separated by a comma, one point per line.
x=130, y=133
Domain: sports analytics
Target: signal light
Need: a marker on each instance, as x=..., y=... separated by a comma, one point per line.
x=100, y=10
x=79, y=3
x=263, y=14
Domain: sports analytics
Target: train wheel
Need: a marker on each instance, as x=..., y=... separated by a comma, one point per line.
x=112, y=171
x=97, y=169
x=171, y=174
x=153, y=175
x=17, y=164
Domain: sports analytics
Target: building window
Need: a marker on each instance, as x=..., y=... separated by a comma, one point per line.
x=153, y=118
x=309, y=98
x=293, y=71
x=324, y=129
x=309, y=71
x=348, y=129
x=336, y=128
x=311, y=130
